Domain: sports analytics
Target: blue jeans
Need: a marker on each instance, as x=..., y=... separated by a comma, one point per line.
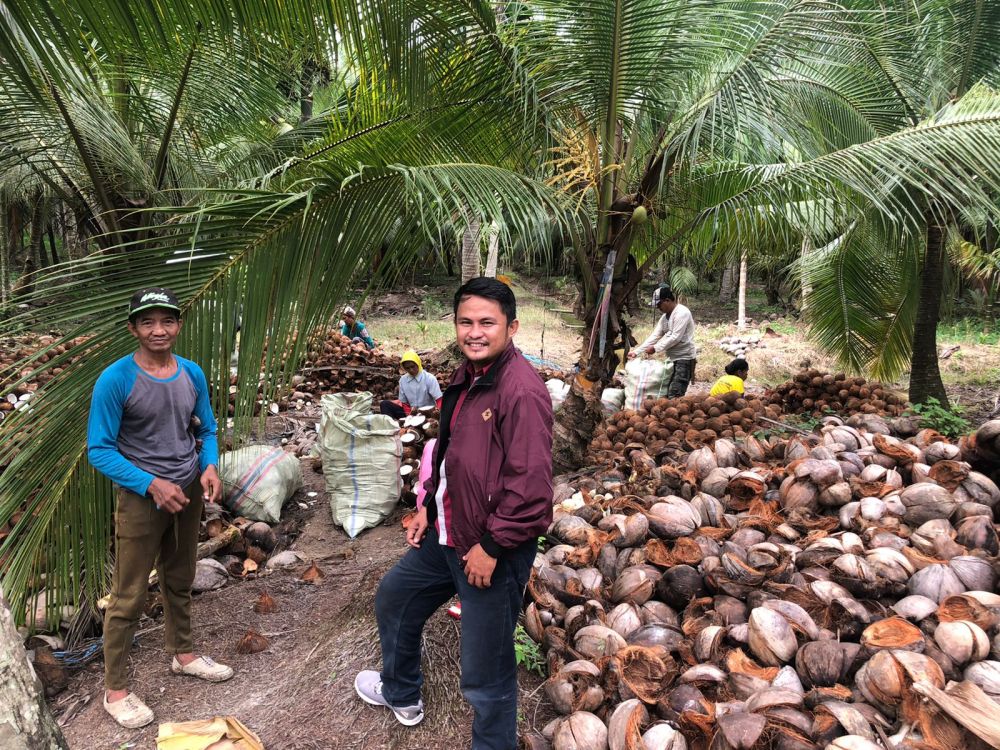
x=421, y=582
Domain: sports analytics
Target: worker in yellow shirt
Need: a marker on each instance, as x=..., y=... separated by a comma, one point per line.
x=736, y=372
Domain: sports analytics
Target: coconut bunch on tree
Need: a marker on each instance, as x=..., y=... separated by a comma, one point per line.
x=789, y=593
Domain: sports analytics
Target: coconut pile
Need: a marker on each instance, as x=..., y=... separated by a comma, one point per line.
x=334, y=365
x=818, y=393
x=13, y=350
x=738, y=346
x=834, y=590
x=690, y=421
x=415, y=431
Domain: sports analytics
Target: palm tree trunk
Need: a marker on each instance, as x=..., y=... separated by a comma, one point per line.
x=52, y=239
x=305, y=95
x=741, y=304
x=6, y=247
x=728, y=287
x=493, y=253
x=925, y=374
x=470, y=251
x=806, y=287
x=25, y=720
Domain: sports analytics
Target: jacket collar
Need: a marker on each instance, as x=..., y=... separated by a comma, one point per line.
x=465, y=373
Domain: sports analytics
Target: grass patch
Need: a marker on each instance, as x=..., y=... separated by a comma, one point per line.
x=969, y=331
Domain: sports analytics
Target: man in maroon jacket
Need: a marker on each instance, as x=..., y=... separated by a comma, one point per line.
x=488, y=499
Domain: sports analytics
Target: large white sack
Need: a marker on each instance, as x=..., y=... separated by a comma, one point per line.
x=558, y=390
x=361, y=455
x=646, y=378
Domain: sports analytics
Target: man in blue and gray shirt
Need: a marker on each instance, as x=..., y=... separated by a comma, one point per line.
x=148, y=411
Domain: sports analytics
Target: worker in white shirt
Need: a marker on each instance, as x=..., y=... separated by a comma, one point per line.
x=672, y=338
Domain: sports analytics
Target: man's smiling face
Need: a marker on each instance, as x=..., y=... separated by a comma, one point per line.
x=482, y=330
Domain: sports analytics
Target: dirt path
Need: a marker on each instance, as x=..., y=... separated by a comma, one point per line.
x=298, y=694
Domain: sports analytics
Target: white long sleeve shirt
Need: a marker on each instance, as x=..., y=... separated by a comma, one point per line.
x=673, y=335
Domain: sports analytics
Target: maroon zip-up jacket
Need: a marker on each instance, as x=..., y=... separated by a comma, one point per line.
x=499, y=457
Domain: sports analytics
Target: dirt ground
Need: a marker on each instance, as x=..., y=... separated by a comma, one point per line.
x=299, y=693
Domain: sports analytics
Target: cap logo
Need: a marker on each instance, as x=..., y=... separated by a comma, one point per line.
x=154, y=296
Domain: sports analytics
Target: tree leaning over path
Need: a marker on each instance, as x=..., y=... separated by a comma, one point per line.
x=384, y=166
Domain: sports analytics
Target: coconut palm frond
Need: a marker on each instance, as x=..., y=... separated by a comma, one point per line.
x=946, y=159
x=860, y=298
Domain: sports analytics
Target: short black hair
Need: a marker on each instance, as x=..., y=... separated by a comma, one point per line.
x=737, y=365
x=484, y=286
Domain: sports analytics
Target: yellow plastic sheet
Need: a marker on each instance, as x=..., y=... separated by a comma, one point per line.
x=220, y=733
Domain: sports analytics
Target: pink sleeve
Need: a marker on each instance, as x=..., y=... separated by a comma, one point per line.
x=426, y=467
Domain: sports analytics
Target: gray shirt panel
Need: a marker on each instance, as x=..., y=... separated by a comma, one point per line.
x=156, y=432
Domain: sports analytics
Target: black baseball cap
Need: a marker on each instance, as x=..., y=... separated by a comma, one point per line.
x=662, y=293
x=153, y=296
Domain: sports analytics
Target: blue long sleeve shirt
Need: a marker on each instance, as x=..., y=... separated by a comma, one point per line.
x=142, y=428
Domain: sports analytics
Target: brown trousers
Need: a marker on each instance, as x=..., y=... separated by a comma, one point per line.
x=145, y=536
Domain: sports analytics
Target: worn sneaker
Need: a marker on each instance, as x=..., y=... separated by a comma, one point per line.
x=368, y=685
x=203, y=668
x=130, y=712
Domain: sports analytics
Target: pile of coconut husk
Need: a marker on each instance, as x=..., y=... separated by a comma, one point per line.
x=15, y=349
x=334, y=365
x=818, y=393
x=827, y=590
x=415, y=431
x=690, y=421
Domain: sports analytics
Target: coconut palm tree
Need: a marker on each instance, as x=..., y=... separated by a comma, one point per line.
x=876, y=285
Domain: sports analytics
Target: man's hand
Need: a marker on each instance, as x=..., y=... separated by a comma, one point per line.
x=633, y=354
x=479, y=567
x=650, y=350
x=417, y=529
x=211, y=485
x=168, y=496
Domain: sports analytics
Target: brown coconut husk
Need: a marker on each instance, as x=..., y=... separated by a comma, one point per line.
x=763, y=515
x=697, y=616
x=893, y=632
x=714, y=532
x=961, y=607
x=919, y=560
x=744, y=489
x=685, y=552
x=645, y=671
x=737, y=661
x=871, y=488
x=889, y=448
x=949, y=474
x=965, y=703
x=657, y=553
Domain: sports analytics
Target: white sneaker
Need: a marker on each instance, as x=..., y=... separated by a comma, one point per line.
x=368, y=685
x=130, y=712
x=203, y=668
